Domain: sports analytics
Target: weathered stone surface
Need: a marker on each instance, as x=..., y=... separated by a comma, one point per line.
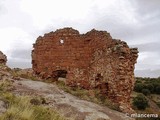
x=2, y=107
x=91, y=60
x=3, y=58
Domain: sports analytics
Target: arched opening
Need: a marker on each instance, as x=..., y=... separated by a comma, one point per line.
x=99, y=77
x=59, y=74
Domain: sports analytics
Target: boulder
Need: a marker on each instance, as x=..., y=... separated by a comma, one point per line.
x=3, y=58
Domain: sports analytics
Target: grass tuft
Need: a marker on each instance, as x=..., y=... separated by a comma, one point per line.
x=89, y=95
x=21, y=108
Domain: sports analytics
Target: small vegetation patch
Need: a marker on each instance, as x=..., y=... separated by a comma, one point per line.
x=4, y=85
x=146, y=97
x=147, y=85
x=25, y=107
x=23, y=73
x=89, y=95
x=20, y=108
x=140, y=102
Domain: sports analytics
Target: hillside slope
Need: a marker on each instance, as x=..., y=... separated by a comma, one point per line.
x=66, y=104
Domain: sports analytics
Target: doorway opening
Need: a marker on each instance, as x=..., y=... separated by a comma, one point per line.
x=59, y=74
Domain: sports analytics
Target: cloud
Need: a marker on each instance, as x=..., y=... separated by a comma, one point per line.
x=147, y=13
x=148, y=73
x=149, y=47
x=1, y=6
x=19, y=63
x=149, y=57
x=21, y=54
x=12, y=37
x=55, y=11
x=145, y=7
x=20, y=58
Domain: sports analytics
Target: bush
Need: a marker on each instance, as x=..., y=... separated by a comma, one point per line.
x=150, y=87
x=138, y=87
x=140, y=102
x=155, y=84
x=157, y=89
x=152, y=84
x=146, y=92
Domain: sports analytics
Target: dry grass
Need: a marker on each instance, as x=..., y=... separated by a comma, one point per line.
x=89, y=95
x=20, y=107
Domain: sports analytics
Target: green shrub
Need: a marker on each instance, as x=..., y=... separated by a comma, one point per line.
x=140, y=102
x=152, y=84
x=146, y=92
x=150, y=87
x=157, y=89
x=138, y=87
x=155, y=84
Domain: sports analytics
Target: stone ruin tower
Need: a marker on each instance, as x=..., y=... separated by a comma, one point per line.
x=3, y=58
x=91, y=60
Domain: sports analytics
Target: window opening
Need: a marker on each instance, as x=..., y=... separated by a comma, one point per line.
x=61, y=41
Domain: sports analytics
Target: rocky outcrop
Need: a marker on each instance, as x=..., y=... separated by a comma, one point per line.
x=91, y=60
x=3, y=58
x=66, y=104
x=2, y=107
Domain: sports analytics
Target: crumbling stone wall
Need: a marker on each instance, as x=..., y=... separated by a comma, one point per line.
x=3, y=58
x=91, y=60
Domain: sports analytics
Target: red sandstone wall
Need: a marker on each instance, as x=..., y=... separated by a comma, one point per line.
x=76, y=51
x=116, y=66
x=92, y=59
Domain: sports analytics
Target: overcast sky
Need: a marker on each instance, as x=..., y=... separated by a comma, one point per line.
x=135, y=21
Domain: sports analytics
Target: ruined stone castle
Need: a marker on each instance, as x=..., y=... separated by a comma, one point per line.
x=91, y=60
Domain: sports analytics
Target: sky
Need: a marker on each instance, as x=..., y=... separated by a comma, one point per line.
x=135, y=21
